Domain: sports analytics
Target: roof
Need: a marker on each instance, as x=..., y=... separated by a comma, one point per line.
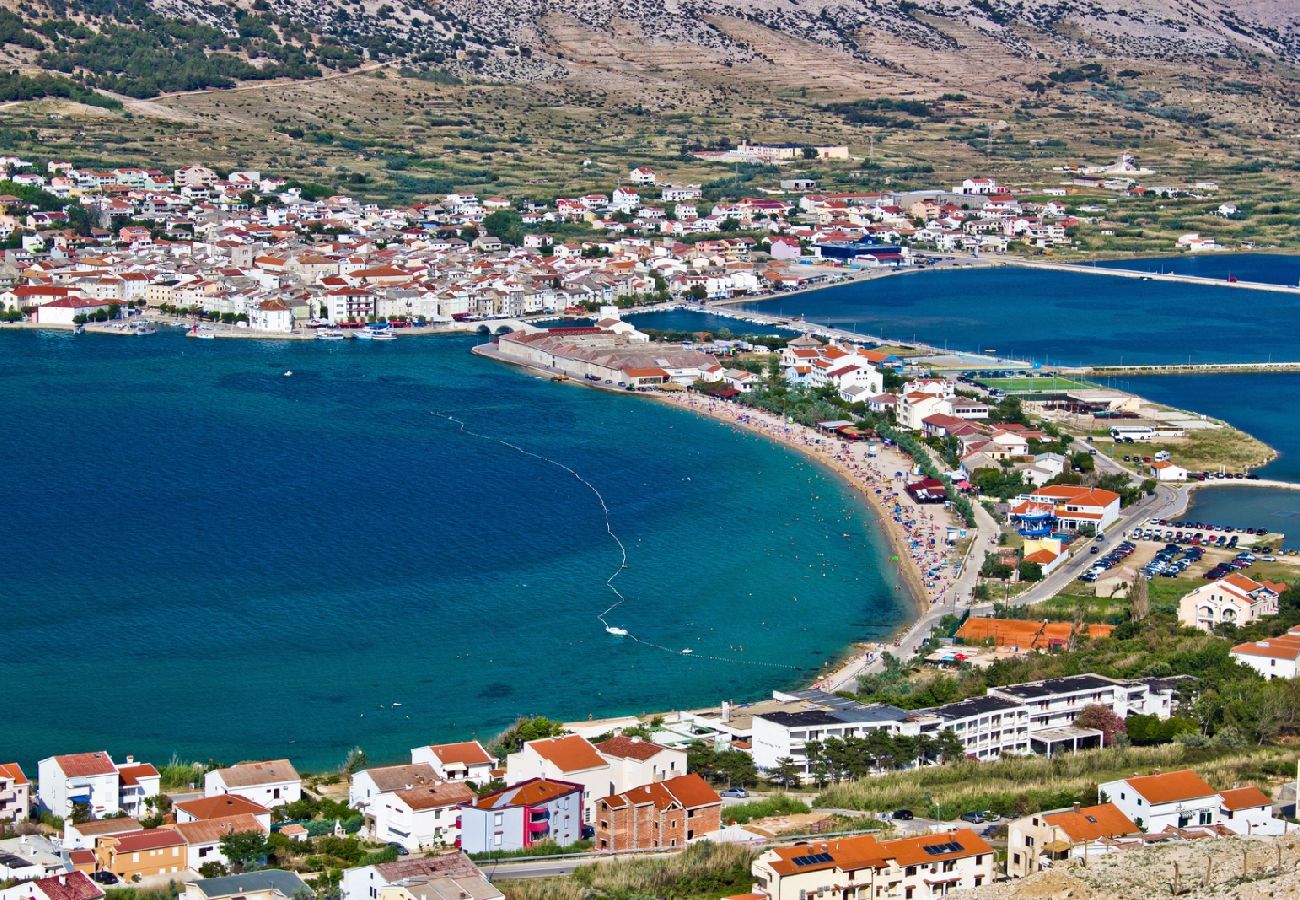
x=209, y=831
x=81, y=765
x=533, y=792
x=571, y=753
x=1284, y=646
x=470, y=753
x=131, y=775
x=403, y=778
x=13, y=772
x=1092, y=822
x=446, y=865
x=151, y=839
x=102, y=827
x=255, y=773
x=687, y=791
x=222, y=806
x=629, y=748
x=278, y=880
x=68, y=886
x=1170, y=787
x=440, y=793
x=850, y=854
x=1248, y=797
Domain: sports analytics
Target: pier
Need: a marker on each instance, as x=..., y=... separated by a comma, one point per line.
x=1080, y=268
x=1230, y=368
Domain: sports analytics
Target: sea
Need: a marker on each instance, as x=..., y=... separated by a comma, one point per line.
x=1060, y=317
x=237, y=549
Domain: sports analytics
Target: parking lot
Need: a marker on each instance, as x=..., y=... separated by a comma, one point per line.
x=1178, y=548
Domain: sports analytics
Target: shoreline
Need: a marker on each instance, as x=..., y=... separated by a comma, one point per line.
x=868, y=482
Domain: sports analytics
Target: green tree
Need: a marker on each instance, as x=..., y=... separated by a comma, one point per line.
x=1031, y=572
x=506, y=225
x=1104, y=719
x=523, y=731
x=244, y=849
x=786, y=773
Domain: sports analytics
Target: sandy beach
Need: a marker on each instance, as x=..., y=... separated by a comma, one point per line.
x=916, y=532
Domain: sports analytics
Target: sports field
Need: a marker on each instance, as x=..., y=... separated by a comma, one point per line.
x=1042, y=385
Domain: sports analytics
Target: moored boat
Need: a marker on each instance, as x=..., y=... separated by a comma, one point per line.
x=330, y=334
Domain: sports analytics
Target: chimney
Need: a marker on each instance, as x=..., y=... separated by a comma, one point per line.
x=1076, y=806
x=726, y=711
x=130, y=760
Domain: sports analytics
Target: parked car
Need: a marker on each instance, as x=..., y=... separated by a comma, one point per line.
x=903, y=815
x=104, y=877
x=735, y=793
x=975, y=818
x=398, y=848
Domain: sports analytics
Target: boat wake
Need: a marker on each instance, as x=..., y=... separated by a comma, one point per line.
x=620, y=599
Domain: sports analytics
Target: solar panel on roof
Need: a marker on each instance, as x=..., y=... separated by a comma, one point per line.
x=941, y=849
x=812, y=859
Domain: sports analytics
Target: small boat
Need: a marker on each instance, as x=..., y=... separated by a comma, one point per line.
x=687, y=652
x=381, y=336
x=205, y=334
x=330, y=334
x=288, y=373
x=143, y=328
x=79, y=329
x=365, y=334
x=613, y=630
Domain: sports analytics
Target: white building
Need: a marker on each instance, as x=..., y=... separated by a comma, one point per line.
x=1249, y=811
x=571, y=758
x=1235, y=600
x=270, y=783
x=203, y=837
x=637, y=762
x=15, y=794
x=95, y=781
x=462, y=761
x=409, y=805
x=455, y=871
x=1277, y=657
x=271, y=315
x=1156, y=802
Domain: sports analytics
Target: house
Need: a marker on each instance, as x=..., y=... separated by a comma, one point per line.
x=267, y=884
x=1164, y=470
x=66, y=310
x=84, y=835
x=142, y=854
x=635, y=761
x=68, y=886
x=1234, y=600
x=270, y=783
x=642, y=176
x=1070, y=507
x=203, y=837
x=571, y=758
x=1277, y=657
x=453, y=870
x=1170, y=799
x=1044, y=840
x=1249, y=811
x=918, y=868
x=271, y=315
x=409, y=805
x=463, y=761
x=669, y=813
x=221, y=807
x=95, y=781
x=30, y=856
x=15, y=794
x=540, y=809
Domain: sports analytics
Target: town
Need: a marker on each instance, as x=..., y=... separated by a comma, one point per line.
x=1069, y=612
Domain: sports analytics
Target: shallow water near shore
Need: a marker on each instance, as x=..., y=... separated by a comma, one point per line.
x=215, y=560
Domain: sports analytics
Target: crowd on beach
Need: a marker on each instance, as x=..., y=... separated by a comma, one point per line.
x=917, y=531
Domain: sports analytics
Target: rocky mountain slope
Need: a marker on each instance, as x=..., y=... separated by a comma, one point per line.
x=526, y=40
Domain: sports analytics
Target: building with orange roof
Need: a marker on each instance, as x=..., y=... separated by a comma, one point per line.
x=1234, y=600
x=539, y=809
x=920, y=868
x=143, y=854
x=460, y=761
x=1166, y=799
x=1042, y=840
x=203, y=837
x=570, y=758
x=1072, y=506
x=1249, y=811
x=95, y=781
x=15, y=794
x=1276, y=657
x=636, y=761
x=221, y=807
x=1027, y=634
x=662, y=814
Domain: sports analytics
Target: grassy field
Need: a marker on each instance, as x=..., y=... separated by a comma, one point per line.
x=1042, y=385
x=1208, y=449
x=704, y=872
x=1015, y=786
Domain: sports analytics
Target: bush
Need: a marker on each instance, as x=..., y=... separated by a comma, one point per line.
x=776, y=805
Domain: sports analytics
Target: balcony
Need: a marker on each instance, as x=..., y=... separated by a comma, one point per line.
x=538, y=829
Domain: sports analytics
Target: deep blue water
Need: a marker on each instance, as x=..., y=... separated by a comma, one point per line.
x=1268, y=268
x=1056, y=317
x=1263, y=405
x=207, y=558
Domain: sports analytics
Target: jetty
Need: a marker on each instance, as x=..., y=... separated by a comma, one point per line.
x=1228, y=368
x=1082, y=269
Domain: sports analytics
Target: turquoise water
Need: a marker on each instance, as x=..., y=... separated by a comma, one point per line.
x=210, y=559
x=1268, y=268
x=1058, y=317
